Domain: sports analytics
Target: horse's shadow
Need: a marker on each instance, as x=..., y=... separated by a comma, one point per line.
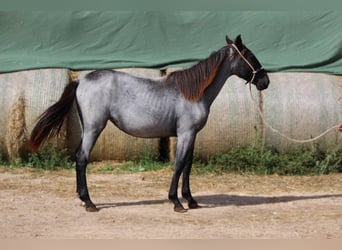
x=223, y=200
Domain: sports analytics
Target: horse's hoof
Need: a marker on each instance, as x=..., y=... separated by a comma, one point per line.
x=92, y=209
x=180, y=210
x=194, y=205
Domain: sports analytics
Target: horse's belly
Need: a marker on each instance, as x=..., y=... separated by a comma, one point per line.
x=145, y=126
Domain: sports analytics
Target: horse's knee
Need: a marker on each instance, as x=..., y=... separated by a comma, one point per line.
x=81, y=159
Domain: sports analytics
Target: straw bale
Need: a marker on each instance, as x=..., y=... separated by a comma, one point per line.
x=113, y=144
x=302, y=106
x=24, y=96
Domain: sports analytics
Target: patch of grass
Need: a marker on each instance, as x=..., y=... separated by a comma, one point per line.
x=311, y=161
x=251, y=159
x=107, y=168
x=49, y=158
x=257, y=160
x=241, y=159
x=3, y=162
x=146, y=162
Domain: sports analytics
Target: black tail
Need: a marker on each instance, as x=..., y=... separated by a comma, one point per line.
x=51, y=121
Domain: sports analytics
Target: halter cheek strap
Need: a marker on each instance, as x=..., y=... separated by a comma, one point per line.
x=248, y=63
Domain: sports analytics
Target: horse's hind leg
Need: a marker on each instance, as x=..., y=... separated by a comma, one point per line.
x=82, y=158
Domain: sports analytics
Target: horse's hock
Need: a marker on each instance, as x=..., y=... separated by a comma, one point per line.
x=300, y=105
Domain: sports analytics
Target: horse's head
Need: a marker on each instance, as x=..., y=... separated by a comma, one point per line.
x=245, y=65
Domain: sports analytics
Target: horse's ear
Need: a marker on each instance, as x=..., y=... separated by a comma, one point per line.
x=238, y=42
x=229, y=41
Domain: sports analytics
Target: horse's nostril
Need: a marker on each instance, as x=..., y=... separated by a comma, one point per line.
x=262, y=85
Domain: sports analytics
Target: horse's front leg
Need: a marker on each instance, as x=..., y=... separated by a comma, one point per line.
x=186, y=192
x=184, y=151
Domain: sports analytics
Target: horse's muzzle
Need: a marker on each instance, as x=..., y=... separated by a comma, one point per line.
x=262, y=83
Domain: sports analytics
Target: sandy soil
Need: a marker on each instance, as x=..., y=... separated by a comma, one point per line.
x=44, y=205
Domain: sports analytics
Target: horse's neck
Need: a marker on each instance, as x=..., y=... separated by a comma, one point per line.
x=215, y=87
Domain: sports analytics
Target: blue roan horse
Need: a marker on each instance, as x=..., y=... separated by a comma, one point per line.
x=174, y=105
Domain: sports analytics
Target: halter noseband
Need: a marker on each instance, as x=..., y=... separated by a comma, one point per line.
x=248, y=63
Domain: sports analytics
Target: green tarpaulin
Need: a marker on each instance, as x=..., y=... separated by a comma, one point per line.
x=282, y=40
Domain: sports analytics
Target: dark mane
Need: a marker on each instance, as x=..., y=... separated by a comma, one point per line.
x=193, y=81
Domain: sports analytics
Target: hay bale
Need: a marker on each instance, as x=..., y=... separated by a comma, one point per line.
x=113, y=144
x=24, y=96
x=302, y=106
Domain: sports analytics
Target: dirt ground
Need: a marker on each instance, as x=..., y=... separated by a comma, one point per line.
x=42, y=204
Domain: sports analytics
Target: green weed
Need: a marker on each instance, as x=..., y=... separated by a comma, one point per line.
x=266, y=160
x=252, y=159
x=49, y=158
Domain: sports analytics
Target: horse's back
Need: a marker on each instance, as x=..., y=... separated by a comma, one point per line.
x=98, y=74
